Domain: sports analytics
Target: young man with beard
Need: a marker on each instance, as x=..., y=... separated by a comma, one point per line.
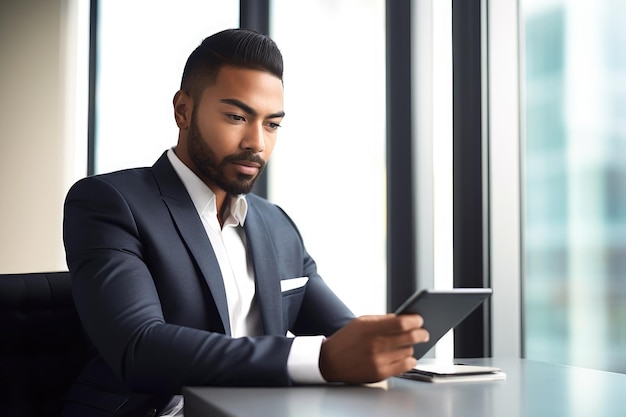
x=182, y=277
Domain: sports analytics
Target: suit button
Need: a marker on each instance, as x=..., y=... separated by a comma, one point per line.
x=151, y=413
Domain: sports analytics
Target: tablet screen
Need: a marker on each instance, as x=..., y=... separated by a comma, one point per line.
x=442, y=310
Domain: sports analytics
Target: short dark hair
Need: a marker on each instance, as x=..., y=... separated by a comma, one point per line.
x=241, y=48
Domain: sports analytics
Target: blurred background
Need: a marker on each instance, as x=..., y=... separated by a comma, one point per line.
x=426, y=144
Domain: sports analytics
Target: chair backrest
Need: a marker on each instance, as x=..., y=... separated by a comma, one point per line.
x=43, y=346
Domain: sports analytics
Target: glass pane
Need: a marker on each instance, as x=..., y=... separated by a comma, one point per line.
x=575, y=157
x=143, y=46
x=328, y=167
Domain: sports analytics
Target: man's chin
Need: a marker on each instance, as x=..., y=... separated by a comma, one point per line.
x=241, y=187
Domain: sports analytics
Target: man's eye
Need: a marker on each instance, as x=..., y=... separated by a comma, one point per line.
x=236, y=117
x=273, y=125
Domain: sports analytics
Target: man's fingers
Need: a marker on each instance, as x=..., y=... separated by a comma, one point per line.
x=402, y=365
x=398, y=361
x=372, y=348
x=398, y=354
x=400, y=341
x=390, y=323
x=408, y=338
x=410, y=321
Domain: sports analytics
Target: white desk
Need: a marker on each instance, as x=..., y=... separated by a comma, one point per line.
x=532, y=389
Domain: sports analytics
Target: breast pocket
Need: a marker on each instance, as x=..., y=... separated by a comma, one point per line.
x=292, y=291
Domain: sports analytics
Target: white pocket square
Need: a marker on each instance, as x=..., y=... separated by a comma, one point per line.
x=292, y=283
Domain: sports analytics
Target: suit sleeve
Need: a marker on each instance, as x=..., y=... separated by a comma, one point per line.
x=120, y=309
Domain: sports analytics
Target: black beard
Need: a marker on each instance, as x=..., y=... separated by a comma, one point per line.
x=205, y=161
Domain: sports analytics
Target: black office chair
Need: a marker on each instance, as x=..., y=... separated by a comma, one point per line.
x=43, y=347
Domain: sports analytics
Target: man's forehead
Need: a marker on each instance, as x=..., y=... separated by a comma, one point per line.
x=247, y=88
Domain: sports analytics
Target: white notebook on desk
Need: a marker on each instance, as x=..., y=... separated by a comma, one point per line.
x=446, y=373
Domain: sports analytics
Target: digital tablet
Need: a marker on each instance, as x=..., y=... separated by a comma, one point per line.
x=442, y=310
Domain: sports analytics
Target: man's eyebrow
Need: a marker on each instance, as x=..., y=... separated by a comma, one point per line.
x=247, y=109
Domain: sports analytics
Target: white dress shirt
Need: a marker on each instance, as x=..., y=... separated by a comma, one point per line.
x=230, y=247
x=229, y=244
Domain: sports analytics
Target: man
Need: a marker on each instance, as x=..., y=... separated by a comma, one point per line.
x=181, y=277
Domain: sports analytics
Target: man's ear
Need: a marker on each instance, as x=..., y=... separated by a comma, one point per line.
x=183, y=106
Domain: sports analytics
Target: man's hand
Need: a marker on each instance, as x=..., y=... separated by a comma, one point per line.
x=372, y=348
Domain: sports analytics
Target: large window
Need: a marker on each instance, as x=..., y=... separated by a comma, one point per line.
x=142, y=49
x=328, y=168
x=575, y=180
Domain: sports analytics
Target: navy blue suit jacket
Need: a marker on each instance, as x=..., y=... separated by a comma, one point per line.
x=149, y=291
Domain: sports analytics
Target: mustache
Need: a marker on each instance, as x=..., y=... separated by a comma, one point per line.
x=246, y=156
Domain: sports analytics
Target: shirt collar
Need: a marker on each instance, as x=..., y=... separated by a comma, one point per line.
x=202, y=196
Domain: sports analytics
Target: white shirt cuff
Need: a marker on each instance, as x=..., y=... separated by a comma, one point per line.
x=303, y=360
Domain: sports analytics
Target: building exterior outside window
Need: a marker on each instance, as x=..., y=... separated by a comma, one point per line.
x=574, y=63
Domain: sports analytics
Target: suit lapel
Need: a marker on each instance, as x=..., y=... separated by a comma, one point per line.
x=265, y=270
x=192, y=231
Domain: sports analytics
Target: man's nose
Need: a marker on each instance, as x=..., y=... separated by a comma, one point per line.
x=255, y=138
